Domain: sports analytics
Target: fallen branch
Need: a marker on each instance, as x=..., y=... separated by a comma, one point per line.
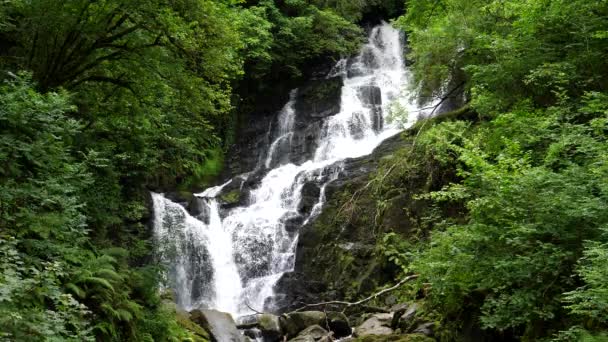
x=364, y=300
x=252, y=309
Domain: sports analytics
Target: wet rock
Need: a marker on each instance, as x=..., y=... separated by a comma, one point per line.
x=370, y=95
x=220, y=325
x=253, y=333
x=318, y=99
x=199, y=209
x=303, y=142
x=270, y=327
x=293, y=288
x=310, y=197
x=377, y=324
x=369, y=59
x=292, y=224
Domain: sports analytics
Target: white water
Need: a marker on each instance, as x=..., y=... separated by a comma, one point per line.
x=233, y=263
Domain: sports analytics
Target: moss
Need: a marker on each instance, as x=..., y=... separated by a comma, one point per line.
x=231, y=197
x=196, y=332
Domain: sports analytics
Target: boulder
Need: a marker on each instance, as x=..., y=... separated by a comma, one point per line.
x=293, y=323
x=426, y=329
x=318, y=99
x=220, y=325
x=377, y=324
x=270, y=327
x=314, y=331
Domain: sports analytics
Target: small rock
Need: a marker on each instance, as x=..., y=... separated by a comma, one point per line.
x=426, y=329
x=410, y=313
x=398, y=311
x=375, y=325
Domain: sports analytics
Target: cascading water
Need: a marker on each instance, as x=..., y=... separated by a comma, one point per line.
x=231, y=261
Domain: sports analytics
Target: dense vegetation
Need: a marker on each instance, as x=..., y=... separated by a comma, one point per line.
x=101, y=101
x=527, y=258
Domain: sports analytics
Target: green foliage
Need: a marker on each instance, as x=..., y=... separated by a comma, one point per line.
x=526, y=261
x=508, y=50
x=118, y=97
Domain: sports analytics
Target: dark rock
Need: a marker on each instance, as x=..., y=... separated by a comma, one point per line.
x=318, y=99
x=253, y=333
x=310, y=197
x=293, y=288
x=303, y=142
x=338, y=323
x=199, y=209
x=293, y=224
x=398, y=311
x=220, y=325
x=370, y=95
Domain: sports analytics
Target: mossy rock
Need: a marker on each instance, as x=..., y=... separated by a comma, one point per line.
x=231, y=197
x=198, y=334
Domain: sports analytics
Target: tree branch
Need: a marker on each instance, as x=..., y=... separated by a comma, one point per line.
x=364, y=300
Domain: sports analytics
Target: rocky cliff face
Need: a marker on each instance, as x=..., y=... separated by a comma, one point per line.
x=337, y=254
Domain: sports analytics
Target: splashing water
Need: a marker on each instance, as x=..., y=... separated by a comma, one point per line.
x=231, y=262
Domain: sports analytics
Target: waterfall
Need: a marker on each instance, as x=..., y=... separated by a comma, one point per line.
x=231, y=260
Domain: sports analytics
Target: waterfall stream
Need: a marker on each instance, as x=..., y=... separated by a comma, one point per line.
x=231, y=260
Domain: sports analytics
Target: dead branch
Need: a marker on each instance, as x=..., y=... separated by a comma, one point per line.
x=364, y=300
x=252, y=309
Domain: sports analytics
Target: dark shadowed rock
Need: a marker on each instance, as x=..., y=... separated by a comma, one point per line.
x=338, y=324
x=310, y=197
x=318, y=99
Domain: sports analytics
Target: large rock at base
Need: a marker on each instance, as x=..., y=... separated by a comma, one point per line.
x=270, y=327
x=292, y=324
x=377, y=324
x=220, y=325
